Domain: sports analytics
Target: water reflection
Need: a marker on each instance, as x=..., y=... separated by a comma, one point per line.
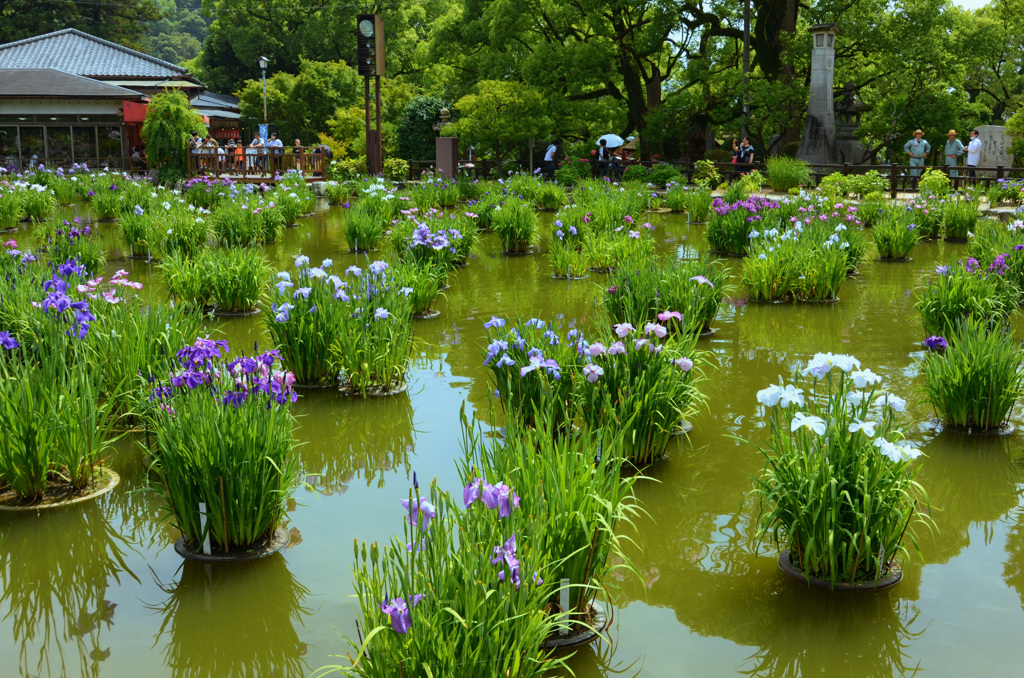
x=970, y=480
x=55, y=568
x=205, y=635
x=348, y=438
x=817, y=633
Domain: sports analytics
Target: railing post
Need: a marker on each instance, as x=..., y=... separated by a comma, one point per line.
x=999, y=172
x=892, y=180
x=846, y=169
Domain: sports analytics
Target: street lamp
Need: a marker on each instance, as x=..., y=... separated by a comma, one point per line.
x=264, y=61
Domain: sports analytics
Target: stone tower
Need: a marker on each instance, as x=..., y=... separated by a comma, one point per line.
x=818, y=143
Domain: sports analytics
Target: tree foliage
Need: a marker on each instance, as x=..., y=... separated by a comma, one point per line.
x=124, y=22
x=498, y=115
x=415, y=132
x=166, y=130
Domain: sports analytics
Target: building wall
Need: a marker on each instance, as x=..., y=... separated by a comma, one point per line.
x=61, y=132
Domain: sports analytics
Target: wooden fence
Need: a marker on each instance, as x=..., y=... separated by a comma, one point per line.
x=900, y=178
x=256, y=165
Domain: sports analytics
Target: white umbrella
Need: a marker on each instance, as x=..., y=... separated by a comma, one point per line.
x=611, y=140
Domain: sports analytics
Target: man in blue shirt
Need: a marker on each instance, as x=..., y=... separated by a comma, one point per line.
x=917, y=148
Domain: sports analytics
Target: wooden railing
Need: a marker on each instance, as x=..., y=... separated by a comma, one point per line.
x=256, y=164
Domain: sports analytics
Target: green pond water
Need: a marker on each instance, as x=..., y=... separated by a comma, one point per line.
x=96, y=589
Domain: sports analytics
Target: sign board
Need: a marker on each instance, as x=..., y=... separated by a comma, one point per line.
x=264, y=131
x=995, y=149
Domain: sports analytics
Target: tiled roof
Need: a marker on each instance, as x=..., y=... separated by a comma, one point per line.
x=72, y=51
x=51, y=83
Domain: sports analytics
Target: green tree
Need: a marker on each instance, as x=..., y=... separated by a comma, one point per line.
x=169, y=122
x=300, y=105
x=498, y=116
x=124, y=22
x=178, y=35
x=415, y=132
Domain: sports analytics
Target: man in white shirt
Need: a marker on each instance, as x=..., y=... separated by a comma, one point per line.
x=276, y=149
x=973, y=152
x=549, y=159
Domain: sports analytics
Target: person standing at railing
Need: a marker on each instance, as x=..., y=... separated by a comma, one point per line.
x=276, y=149
x=743, y=156
x=973, y=152
x=954, y=149
x=550, y=156
x=255, y=149
x=918, y=149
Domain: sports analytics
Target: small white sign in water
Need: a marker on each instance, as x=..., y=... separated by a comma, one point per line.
x=202, y=526
x=565, y=605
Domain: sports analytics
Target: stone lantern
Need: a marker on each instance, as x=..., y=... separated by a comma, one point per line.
x=446, y=158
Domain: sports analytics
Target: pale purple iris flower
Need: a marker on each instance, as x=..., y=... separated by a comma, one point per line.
x=398, y=610
x=381, y=314
x=622, y=330
x=592, y=372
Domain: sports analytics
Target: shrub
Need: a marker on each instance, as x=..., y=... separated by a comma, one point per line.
x=663, y=174
x=571, y=171
x=933, y=182
x=396, y=169
x=837, y=490
x=965, y=290
x=638, y=173
x=868, y=183
x=975, y=381
x=752, y=181
x=786, y=173
x=706, y=174
x=224, y=439
x=835, y=186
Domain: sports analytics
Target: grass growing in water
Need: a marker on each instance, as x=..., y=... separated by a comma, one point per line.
x=976, y=381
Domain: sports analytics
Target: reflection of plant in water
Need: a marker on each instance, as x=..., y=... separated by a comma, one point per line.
x=598, y=659
x=55, y=568
x=823, y=632
x=1013, y=568
x=365, y=438
x=234, y=620
x=971, y=480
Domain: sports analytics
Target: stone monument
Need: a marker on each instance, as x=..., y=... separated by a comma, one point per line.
x=818, y=143
x=995, y=147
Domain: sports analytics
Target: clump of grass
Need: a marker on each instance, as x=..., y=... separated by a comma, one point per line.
x=785, y=173
x=896, y=234
x=224, y=439
x=965, y=290
x=976, y=381
x=959, y=217
x=362, y=228
x=517, y=226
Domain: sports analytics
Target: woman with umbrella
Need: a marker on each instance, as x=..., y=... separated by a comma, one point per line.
x=605, y=144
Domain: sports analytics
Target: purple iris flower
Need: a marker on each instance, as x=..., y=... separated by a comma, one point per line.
x=471, y=492
x=398, y=610
x=302, y=292
x=282, y=312
x=500, y=497
x=381, y=314
x=506, y=554
x=425, y=508
x=7, y=341
x=935, y=343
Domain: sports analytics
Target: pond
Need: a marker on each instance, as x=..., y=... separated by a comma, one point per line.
x=97, y=589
